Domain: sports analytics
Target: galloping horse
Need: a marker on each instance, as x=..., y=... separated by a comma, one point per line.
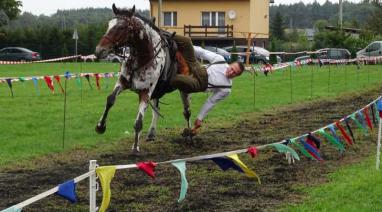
x=148, y=69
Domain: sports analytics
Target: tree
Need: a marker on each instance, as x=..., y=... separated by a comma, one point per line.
x=374, y=22
x=277, y=27
x=9, y=10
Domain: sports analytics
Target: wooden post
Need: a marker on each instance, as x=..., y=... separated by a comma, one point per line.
x=249, y=41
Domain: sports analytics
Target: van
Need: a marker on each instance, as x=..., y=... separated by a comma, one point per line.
x=372, y=50
x=334, y=54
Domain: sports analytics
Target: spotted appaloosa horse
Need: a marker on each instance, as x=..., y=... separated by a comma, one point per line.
x=146, y=71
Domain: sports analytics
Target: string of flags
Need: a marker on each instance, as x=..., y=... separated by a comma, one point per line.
x=50, y=80
x=338, y=133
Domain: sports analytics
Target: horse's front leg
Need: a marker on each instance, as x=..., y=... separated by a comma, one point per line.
x=186, y=100
x=152, y=130
x=101, y=126
x=144, y=99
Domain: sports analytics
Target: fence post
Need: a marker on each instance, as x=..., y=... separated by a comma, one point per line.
x=92, y=186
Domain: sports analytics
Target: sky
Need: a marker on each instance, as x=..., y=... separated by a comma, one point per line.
x=49, y=7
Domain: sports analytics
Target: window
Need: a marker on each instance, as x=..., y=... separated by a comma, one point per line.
x=213, y=19
x=170, y=18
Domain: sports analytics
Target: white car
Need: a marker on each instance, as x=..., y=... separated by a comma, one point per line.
x=372, y=50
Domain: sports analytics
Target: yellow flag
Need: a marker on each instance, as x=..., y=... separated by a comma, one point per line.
x=105, y=174
x=246, y=170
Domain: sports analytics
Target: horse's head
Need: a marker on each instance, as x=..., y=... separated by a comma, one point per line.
x=122, y=30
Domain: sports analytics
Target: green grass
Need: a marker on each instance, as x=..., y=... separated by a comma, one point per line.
x=352, y=188
x=32, y=125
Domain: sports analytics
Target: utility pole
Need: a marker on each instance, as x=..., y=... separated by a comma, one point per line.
x=159, y=13
x=75, y=37
x=340, y=14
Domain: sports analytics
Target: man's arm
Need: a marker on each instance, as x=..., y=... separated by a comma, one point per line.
x=203, y=54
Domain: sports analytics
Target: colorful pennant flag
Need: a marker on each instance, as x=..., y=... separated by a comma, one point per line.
x=107, y=79
x=67, y=75
x=58, y=79
x=226, y=164
x=147, y=167
x=314, y=141
x=105, y=174
x=334, y=133
x=22, y=79
x=252, y=151
x=12, y=209
x=349, y=129
x=372, y=108
x=67, y=190
x=313, y=151
x=285, y=149
x=181, y=166
x=243, y=167
x=79, y=81
x=344, y=134
x=362, y=119
x=97, y=81
x=359, y=125
x=9, y=82
x=302, y=149
x=49, y=82
x=379, y=107
x=367, y=118
x=88, y=79
x=35, y=82
x=332, y=139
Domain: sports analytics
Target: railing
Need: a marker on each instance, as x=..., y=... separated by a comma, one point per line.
x=208, y=31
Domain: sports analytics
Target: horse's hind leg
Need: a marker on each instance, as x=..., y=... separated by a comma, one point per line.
x=101, y=126
x=152, y=130
x=144, y=98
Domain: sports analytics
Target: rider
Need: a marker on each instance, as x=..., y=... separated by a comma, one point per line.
x=215, y=78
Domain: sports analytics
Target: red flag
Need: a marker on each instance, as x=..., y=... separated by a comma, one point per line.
x=49, y=82
x=58, y=79
x=344, y=134
x=368, y=121
x=252, y=150
x=97, y=81
x=148, y=168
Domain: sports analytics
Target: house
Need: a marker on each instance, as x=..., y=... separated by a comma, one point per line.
x=216, y=22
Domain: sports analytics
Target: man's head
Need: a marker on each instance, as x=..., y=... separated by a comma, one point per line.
x=234, y=69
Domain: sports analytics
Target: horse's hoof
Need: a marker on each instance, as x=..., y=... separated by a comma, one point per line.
x=150, y=138
x=100, y=129
x=188, y=138
x=135, y=150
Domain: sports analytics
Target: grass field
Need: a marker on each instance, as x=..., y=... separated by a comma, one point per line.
x=32, y=125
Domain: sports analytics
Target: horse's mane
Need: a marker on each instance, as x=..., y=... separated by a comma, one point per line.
x=129, y=13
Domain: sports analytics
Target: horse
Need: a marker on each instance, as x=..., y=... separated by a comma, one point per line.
x=147, y=71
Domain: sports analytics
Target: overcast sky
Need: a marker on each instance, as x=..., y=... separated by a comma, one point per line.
x=48, y=7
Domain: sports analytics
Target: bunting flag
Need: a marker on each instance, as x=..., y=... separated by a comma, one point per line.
x=332, y=140
x=88, y=79
x=22, y=79
x=147, y=167
x=334, y=133
x=97, y=81
x=314, y=141
x=226, y=164
x=58, y=79
x=302, y=149
x=49, y=82
x=285, y=149
x=35, y=82
x=67, y=75
x=107, y=80
x=12, y=209
x=367, y=118
x=79, y=81
x=379, y=108
x=362, y=119
x=344, y=134
x=181, y=166
x=372, y=108
x=313, y=151
x=243, y=167
x=349, y=129
x=359, y=125
x=252, y=151
x=67, y=190
x=9, y=82
x=105, y=174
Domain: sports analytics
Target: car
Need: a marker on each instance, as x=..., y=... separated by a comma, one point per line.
x=18, y=54
x=372, y=50
x=257, y=54
x=220, y=51
x=301, y=58
x=334, y=54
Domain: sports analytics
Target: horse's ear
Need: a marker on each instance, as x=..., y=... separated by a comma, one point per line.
x=153, y=19
x=115, y=10
x=133, y=9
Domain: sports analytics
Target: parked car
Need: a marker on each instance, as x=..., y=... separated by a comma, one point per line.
x=220, y=51
x=372, y=50
x=334, y=54
x=301, y=58
x=18, y=54
x=257, y=54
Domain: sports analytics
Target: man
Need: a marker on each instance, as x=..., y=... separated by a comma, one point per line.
x=215, y=78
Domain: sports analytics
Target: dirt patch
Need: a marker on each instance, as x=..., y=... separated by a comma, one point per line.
x=210, y=189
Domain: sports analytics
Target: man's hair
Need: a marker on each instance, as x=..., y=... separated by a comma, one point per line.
x=241, y=65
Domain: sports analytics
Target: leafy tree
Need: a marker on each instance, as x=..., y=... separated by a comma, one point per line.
x=9, y=10
x=374, y=22
x=277, y=27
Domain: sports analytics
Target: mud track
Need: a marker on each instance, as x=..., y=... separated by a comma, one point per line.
x=209, y=188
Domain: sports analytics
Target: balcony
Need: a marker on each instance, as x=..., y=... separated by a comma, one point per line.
x=208, y=31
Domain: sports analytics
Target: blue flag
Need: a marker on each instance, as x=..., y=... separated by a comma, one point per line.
x=67, y=190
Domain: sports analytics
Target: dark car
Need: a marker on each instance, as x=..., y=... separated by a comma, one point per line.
x=18, y=54
x=334, y=54
x=257, y=54
x=220, y=51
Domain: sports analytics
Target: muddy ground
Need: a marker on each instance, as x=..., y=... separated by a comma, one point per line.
x=210, y=189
